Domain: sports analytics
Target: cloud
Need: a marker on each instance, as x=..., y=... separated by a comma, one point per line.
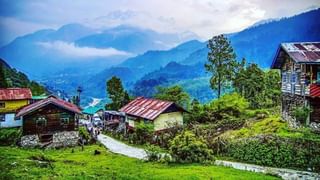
x=203, y=17
x=71, y=50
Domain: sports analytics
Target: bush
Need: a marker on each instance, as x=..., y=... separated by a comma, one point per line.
x=84, y=134
x=154, y=153
x=10, y=136
x=277, y=152
x=301, y=114
x=228, y=105
x=142, y=133
x=187, y=148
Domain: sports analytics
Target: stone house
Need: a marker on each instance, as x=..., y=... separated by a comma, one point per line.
x=162, y=114
x=51, y=122
x=299, y=64
x=12, y=99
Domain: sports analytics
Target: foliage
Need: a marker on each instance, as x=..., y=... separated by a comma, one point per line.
x=301, y=114
x=228, y=105
x=186, y=148
x=154, y=153
x=277, y=152
x=10, y=77
x=83, y=133
x=260, y=88
x=10, y=136
x=73, y=163
x=117, y=94
x=221, y=62
x=143, y=132
x=174, y=94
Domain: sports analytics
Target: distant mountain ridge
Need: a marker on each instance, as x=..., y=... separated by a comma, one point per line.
x=182, y=64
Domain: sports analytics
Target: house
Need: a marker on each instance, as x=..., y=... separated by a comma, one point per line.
x=51, y=120
x=299, y=64
x=11, y=99
x=91, y=111
x=115, y=120
x=162, y=114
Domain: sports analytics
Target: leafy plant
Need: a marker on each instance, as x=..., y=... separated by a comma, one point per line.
x=301, y=114
x=10, y=136
x=84, y=133
x=187, y=148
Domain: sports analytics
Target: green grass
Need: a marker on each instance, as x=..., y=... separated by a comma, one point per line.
x=271, y=126
x=17, y=163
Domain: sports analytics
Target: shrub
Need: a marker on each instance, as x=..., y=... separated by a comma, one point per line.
x=301, y=114
x=153, y=153
x=277, y=152
x=187, y=148
x=10, y=136
x=84, y=134
x=228, y=105
x=143, y=132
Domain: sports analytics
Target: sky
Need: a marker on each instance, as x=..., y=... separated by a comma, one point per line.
x=202, y=17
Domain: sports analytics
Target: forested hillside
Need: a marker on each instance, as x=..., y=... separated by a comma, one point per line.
x=10, y=77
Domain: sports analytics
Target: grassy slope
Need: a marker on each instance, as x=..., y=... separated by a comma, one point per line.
x=271, y=126
x=15, y=163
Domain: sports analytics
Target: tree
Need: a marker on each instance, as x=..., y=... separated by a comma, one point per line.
x=3, y=82
x=118, y=96
x=175, y=94
x=221, y=62
x=261, y=89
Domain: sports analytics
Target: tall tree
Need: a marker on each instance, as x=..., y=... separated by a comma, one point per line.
x=221, y=62
x=3, y=82
x=118, y=96
x=174, y=94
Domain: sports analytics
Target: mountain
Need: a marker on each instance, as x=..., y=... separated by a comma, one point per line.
x=79, y=47
x=10, y=77
x=132, y=39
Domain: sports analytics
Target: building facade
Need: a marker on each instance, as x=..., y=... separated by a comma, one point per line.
x=162, y=114
x=50, y=121
x=299, y=64
x=12, y=99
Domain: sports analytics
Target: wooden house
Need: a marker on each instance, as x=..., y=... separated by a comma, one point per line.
x=50, y=119
x=299, y=64
x=162, y=114
x=11, y=99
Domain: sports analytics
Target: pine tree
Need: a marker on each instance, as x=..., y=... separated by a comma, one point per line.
x=118, y=96
x=221, y=62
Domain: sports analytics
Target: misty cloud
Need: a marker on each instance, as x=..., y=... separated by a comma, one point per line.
x=70, y=49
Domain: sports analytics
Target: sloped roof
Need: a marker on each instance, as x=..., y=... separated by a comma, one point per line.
x=15, y=93
x=147, y=108
x=50, y=100
x=302, y=52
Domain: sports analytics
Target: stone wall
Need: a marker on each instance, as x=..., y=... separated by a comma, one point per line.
x=59, y=139
x=289, y=103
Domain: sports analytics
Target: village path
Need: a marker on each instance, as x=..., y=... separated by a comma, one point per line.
x=287, y=174
x=116, y=146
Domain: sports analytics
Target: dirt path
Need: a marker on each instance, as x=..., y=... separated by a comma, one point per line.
x=121, y=148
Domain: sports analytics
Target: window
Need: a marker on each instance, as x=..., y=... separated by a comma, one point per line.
x=41, y=122
x=64, y=121
x=2, y=117
x=294, y=78
x=2, y=105
x=284, y=77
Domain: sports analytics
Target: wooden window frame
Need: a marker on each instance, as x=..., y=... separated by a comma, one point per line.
x=41, y=119
x=63, y=121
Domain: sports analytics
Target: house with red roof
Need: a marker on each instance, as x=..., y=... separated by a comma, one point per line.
x=162, y=114
x=51, y=120
x=12, y=99
x=299, y=64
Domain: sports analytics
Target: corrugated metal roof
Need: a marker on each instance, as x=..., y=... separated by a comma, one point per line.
x=50, y=100
x=146, y=108
x=302, y=52
x=15, y=93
